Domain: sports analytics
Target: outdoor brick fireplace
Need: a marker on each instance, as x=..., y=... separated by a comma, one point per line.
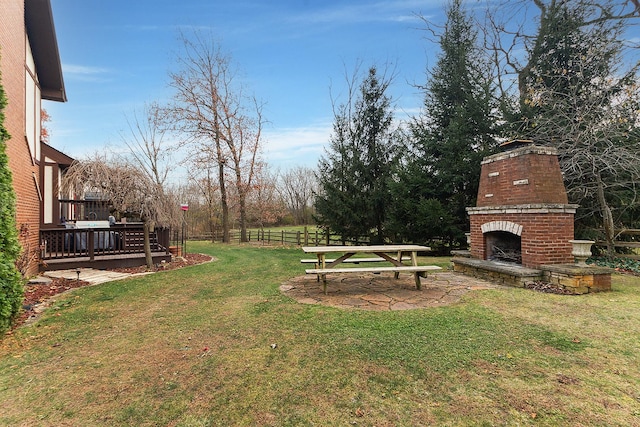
x=522, y=214
x=522, y=224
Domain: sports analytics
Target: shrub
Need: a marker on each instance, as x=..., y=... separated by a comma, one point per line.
x=625, y=265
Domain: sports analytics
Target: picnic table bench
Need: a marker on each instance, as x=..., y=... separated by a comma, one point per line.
x=348, y=260
x=323, y=266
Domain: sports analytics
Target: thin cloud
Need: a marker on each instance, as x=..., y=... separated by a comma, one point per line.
x=145, y=28
x=294, y=146
x=399, y=11
x=85, y=73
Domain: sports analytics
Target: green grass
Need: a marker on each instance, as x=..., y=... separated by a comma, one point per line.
x=192, y=347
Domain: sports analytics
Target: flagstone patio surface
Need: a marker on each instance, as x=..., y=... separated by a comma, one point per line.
x=381, y=292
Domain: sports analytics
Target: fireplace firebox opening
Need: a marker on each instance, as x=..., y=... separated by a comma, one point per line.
x=502, y=246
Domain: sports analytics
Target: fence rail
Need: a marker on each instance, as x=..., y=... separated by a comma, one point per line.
x=74, y=243
x=282, y=237
x=631, y=244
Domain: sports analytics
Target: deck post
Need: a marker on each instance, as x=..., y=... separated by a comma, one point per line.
x=91, y=238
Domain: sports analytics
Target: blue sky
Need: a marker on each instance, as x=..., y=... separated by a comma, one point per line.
x=117, y=54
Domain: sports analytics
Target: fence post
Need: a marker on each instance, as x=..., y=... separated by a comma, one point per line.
x=269, y=236
x=298, y=243
x=327, y=231
x=306, y=236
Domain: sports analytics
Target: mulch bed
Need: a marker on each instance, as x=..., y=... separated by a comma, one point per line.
x=35, y=294
x=179, y=262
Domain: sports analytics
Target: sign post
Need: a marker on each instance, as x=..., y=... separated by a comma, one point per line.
x=184, y=207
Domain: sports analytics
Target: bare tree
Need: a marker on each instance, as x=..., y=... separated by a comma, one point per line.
x=244, y=147
x=149, y=147
x=297, y=187
x=223, y=123
x=516, y=44
x=265, y=206
x=152, y=152
x=596, y=132
x=203, y=175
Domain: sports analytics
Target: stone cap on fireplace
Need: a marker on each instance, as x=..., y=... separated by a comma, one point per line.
x=533, y=208
x=521, y=151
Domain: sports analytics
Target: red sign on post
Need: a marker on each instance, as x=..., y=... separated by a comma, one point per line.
x=184, y=207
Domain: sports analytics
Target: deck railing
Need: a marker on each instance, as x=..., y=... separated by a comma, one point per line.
x=73, y=243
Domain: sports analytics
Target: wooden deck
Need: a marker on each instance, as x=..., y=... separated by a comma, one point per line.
x=102, y=262
x=100, y=248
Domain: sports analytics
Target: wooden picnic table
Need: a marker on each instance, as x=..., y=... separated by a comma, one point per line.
x=384, y=253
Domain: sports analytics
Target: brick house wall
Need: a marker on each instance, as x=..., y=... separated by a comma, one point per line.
x=21, y=162
x=23, y=89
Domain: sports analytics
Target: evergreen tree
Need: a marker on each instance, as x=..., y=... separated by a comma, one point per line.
x=11, y=287
x=354, y=175
x=577, y=97
x=449, y=140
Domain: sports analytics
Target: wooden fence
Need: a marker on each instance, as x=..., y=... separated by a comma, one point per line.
x=629, y=243
x=320, y=238
x=286, y=238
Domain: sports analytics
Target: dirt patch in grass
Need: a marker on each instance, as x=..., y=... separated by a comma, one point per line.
x=36, y=295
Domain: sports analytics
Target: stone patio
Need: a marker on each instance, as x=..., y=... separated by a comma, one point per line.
x=382, y=292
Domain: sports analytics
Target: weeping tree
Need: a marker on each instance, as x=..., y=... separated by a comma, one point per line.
x=581, y=100
x=128, y=189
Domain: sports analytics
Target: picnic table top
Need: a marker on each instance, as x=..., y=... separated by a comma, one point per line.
x=365, y=249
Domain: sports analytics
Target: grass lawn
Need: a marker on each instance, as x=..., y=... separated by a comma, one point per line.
x=193, y=347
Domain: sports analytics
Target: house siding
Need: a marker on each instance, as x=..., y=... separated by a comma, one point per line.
x=13, y=65
x=52, y=168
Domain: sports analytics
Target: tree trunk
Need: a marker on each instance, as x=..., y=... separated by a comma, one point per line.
x=243, y=218
x=147, y=244
x=242, y=195
x=212, y=229
x=225, y=204
x=607, y=218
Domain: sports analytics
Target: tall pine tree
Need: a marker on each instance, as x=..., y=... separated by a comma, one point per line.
x=449, y=140
x=354, y=174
